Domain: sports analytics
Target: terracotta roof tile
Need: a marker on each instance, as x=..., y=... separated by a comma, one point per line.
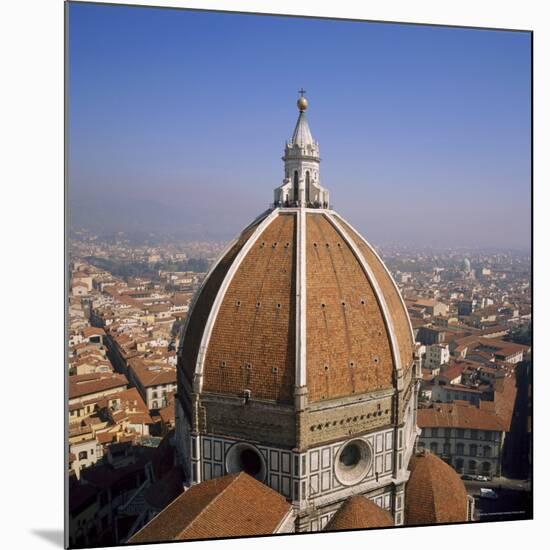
x=86, y=384
x=252, y=344
x=398, y=313
x=434, y=492
x=358, y=512
x=231, y=506
x=254, y=332
x=92, y=331
x=348, y=347
x=153, y=374
x=205, y=299
x=459, y=415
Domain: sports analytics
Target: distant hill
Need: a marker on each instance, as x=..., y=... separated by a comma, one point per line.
x=105, y=216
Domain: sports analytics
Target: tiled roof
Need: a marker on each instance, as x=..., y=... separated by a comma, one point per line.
x=500, y=347
x=434, y=492
x=349, y=330
x=92, y=331
x=358, y=512
x=131, y=400
x=168, y=413
x=153, y=374
x=105, y=437
x=452, y=371
x=87, y=384
x=458, y=415
x=504, y=398
x=397, y=312
x=231, y=506
x=205, y=300
x=254, y=331
x=351, y=301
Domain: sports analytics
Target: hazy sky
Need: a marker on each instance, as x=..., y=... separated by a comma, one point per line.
x=177, y=121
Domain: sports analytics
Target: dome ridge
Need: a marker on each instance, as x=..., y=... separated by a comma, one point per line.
x=212, y=279
x=197, y=383
x=378, y=292
x=398, y=298
x=234, y=323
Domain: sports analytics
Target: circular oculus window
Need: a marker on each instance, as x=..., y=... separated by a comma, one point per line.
x=352, y=462
x=243, y=457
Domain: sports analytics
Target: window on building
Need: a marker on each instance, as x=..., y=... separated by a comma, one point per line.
x=473, y=450
x=82, y=455
x=459, y=465
x=487, y=451
x=472, y=466
x=447, y=432
x=473, y=434
x=447, y=448
x=486, y=467
x=488, y=436
x=460, y=433
x=433, y=447
x=460, y=448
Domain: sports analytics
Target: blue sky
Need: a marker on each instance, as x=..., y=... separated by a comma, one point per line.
x=177, y=121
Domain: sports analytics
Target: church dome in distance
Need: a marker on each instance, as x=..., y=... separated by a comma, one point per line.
x=358, y=512
x=435, y=493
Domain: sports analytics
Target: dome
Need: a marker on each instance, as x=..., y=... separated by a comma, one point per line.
x=299, y=298
x=358, y=512
x=297, y=362
x=435, y=493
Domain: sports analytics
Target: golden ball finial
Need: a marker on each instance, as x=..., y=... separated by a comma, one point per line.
x=302, y=101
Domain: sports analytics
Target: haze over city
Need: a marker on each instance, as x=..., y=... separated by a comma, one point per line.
x=298, y=379
x=177, y=121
